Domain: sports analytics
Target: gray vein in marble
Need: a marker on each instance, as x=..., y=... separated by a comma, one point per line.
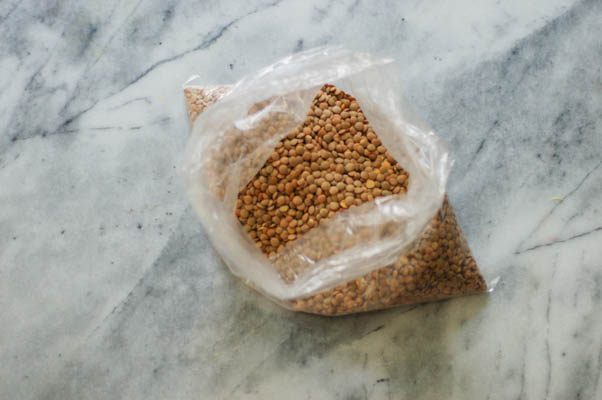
x=494, y=125
x=210, y=38
x=549, y=364
x=89, y=35
x=84, y=46
x=10, y=11
x=145, y=99
x=552, y=243
x=558, y=203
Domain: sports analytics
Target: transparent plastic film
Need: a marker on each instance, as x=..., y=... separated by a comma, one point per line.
x=321, y=190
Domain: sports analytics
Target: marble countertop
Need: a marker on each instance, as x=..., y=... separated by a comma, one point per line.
x=109, y=288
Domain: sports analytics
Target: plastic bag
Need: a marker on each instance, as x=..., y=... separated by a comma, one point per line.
x=388, y=249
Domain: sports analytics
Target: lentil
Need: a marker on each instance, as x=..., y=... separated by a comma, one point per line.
x=332, y=162
x=438, y=266
x=197, y=99
x=335, y=170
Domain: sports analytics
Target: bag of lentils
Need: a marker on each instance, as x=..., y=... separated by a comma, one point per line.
x=321, y=191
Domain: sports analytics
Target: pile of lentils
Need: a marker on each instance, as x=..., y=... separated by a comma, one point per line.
x=438, y=266
x=199, y=98
x=334, y=161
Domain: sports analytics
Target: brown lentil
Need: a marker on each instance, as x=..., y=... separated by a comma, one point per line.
x=338, y=162
x=335, y=170
x=438, y=266
x=199, y=98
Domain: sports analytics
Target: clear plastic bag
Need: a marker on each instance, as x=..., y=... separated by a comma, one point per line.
x=395, y=249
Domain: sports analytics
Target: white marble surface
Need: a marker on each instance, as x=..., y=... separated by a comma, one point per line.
x=109, y=288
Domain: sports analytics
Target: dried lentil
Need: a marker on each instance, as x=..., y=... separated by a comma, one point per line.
x=438, y=266
x=197, y=98
x=334, y=169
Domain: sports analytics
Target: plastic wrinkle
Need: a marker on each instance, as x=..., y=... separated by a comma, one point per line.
x=286, y=88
